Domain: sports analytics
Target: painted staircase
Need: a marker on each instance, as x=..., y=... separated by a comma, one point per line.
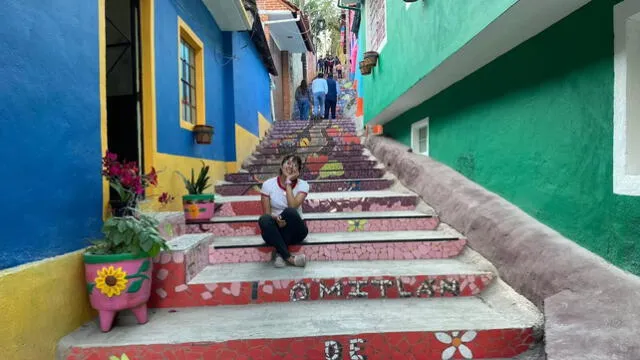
x=385, y=280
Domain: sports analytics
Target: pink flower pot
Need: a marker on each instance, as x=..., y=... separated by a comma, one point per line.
x=118, y=282
x=198, y=208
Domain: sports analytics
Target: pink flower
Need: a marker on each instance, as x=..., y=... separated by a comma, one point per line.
x=165, y=198
x=152, y=177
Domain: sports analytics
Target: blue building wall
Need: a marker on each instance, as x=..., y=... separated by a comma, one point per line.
x=50, y=128
x=172, y=139
x=251, y=84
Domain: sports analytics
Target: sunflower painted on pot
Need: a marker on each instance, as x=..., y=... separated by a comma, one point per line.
x=111, y=281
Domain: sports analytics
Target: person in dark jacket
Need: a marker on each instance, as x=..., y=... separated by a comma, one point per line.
x=331, y=99
x=303, y=100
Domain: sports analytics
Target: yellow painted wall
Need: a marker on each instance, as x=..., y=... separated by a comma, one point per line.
x=41, y=302
x=246, y=143
x=263, y=124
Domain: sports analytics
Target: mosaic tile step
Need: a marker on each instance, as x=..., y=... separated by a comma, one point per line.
x=313, y=134
x=326, y=223
x=466, y=327
x=322, y=158
x=332, y=171
x=314, y=125
x=325, y=185
x=256, y=283
x=308, y=140
x=318, y=166
x=351, y=201
x=354, y=149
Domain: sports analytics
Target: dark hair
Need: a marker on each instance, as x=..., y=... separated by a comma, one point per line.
x=330, y=75
x=295, y=158
x=303, y=86
x=320, y=75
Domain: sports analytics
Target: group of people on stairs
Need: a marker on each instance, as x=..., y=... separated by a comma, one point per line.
x=323, y=94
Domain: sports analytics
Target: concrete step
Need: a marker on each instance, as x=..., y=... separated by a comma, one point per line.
x=281, y=150
x=496, y=324
x=317, y=186
x=327, y=223
x=440, y=243
x=324, y=202
x=256, y=283
x=333, y=171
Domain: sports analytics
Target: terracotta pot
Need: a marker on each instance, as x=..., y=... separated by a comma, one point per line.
x=203, y=134
x=198, y=208
x=371, y=57
x=365, y=68
x=118, y=282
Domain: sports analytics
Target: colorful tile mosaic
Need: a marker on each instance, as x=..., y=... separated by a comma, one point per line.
x=284, y=150
x=342, y=252
x=328, y=171
x=316, y=186
x=391, y=203
x=322, y=226
x=428, y=345
x=315, y=166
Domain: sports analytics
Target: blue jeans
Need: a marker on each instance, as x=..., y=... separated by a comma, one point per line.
x=303, y=106
x=318, y=104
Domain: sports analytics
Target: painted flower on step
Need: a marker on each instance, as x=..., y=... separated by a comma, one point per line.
x=111, y=281
x=356, y=225
x=123, y=357
x=457, y=343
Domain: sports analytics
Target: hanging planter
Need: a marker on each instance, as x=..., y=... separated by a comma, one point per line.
x=203, y=134
x=371, y=57
x=365, y=68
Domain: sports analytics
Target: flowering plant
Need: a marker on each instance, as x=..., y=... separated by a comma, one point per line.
x=125, y=178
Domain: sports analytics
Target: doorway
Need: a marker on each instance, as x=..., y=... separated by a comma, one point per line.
x=124, y=80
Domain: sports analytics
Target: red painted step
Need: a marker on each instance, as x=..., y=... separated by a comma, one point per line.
x=325, y=185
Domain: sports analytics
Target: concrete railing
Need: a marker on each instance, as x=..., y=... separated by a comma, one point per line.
x=592, y=308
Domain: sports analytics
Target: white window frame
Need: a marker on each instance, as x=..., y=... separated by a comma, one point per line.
x=415, y=127
x=369, y=29
x=626, y=95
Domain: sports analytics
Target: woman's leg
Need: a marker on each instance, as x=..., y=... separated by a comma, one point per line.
x=305, y=110
x=296, y=230
x=272, y=236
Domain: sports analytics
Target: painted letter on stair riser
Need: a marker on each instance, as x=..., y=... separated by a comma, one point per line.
x=345, y=288
x=333, y=350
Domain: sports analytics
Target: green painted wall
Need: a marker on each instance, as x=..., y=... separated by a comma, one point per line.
x=419, y=39
x=536, y=126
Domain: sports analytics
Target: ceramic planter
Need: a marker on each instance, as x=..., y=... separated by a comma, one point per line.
x=365, y=68
x=118, y=282
x=198, y=208
x=203, y=134
x=371, y=57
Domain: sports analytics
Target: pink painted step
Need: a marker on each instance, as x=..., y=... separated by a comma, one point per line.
x=327, y=223
x=352, y=201
x=325, y=185
x=484, y=327
x=373, y=245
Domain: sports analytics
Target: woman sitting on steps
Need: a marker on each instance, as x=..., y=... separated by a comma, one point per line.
x=282, y=199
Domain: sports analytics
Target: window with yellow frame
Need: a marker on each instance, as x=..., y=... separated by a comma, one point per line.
x=191, y=77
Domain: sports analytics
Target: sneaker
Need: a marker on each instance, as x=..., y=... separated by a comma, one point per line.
x=279, y=262
x=300, y=260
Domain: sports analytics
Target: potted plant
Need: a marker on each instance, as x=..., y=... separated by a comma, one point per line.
x=203, y=134
x=118, y=267
x=198, y=207
x=365, y=68
x=125, y=178
x=371, y=57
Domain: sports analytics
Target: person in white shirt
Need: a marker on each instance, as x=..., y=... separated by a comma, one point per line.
x=319, y=88
x=282, y=224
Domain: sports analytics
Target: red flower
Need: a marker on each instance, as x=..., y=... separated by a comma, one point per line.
x=152, y=177
x=165, y=198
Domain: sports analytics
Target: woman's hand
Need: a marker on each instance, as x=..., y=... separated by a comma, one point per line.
x=292, y=175
x=280, y=221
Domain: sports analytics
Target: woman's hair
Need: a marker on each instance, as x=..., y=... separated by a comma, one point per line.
x=303, y=85
x=295, y=158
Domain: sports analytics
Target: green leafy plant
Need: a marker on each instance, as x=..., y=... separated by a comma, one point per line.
x=130, y=234
x=197, y=186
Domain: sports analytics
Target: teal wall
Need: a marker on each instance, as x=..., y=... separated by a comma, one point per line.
x=535, y=126
x=419, y=39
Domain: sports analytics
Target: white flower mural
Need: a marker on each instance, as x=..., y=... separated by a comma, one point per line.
x=457, y=343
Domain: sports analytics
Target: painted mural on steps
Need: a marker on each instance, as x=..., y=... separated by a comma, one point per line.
x=460, y=344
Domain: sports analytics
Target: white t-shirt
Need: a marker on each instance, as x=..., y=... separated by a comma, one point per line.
x=277, y=192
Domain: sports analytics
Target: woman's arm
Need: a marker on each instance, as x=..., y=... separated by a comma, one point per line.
x=266, y=205
x=294, y=201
